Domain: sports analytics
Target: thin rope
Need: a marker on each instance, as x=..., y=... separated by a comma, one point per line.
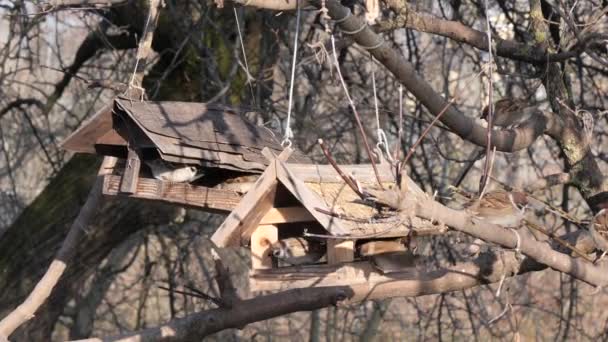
x=137, y=57
x=487, y=164
x=249, y=77
x=382, y=140
x=518, y=244
x=354, y=109
x=288, y=132
x=400, y=130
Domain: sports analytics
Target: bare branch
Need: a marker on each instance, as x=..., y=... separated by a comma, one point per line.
x=43, y=289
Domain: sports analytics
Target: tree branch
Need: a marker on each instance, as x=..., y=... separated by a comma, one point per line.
x=43, y=289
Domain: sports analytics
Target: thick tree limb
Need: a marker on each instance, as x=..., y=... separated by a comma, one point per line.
x=504, y=140
x=541, y=252
x=199, y=325
x=489, y=267
x=407, y=17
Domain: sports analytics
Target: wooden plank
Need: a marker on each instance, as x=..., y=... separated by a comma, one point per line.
x=339, y=251
x=362, y=172
x=128, y=185
x=349, y=274
x=261, y=240
x=208, y=199
x=309, y=199
x=83, y=139
x=247, y=215
x=197, y=122
x=287, y=215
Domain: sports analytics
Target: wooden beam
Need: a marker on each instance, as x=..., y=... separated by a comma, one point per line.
x=261, y=240
x=128, y=185
x=287, y=215
x=247, y=215
x=339, y=251
x=208, y=199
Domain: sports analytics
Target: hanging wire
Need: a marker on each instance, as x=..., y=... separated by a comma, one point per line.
x=483, y=182
x=288, y=132
x=249, y=77
x=382, y=139
x=355, y=112
x=400, y=130
x=138, y=57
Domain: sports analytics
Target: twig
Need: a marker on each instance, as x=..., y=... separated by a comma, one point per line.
x=559, y=240
x=490, y=118
x=489, y=172
x=356, y=113
x=333, y=163
x=410, y=152
x=351, y=237
x=355, y=219
x=196, y=293
x=228, y=293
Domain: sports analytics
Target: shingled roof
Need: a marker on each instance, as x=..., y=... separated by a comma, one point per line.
x=202, y=134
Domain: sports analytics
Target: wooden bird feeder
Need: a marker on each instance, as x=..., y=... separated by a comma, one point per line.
x=291, y=199
x=210, y=137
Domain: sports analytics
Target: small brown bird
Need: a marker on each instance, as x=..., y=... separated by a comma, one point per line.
x=599, y=230
x=509, y=112
x=298, y=250
x=500, y=207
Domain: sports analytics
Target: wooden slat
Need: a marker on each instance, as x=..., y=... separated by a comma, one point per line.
x=83, y=139
x=287, y=215
x=208, y=199
x=349, y=274
x=128, y=185
x=339, y=251
x=261, y=240
x=247, y=215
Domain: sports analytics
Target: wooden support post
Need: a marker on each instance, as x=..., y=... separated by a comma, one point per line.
x=340, y=251
x=261, y=239
x=129, y=178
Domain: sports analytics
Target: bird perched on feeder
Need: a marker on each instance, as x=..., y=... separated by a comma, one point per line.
x=599, y=230
x=165, y=172
x=388, y=256
x=298, y=250
x=499, y=207
x=509, y=112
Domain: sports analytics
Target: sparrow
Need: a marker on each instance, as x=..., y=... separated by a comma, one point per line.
x=499, y=207
x=599, y=230
x=165, y=172
x=298, y=250
x=388, y=256
x=509, y=112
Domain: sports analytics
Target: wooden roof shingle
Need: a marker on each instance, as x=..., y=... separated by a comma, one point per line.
x=209, y=135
